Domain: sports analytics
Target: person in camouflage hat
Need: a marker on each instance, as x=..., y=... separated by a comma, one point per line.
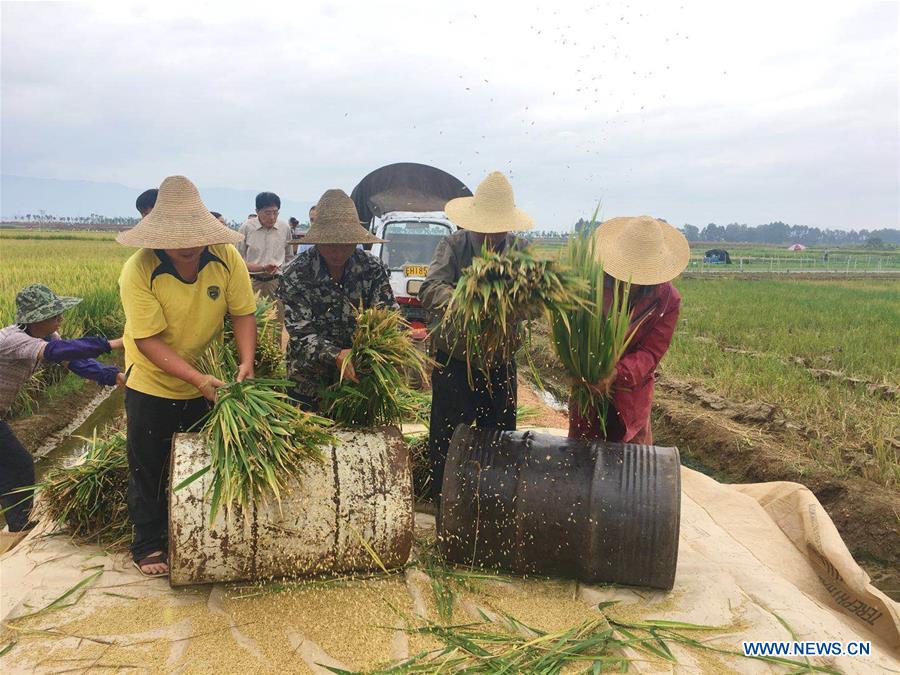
x=37, y=302
x=24, y=346
x=322, y=289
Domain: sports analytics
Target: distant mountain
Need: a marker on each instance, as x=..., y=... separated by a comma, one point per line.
x=20, y=195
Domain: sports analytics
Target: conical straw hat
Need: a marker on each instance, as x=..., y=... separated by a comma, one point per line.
x=180, y=219
x=641, y=249
x=337, y=222
x=491, y=210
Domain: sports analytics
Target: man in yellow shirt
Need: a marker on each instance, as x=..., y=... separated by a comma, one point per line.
x=175, y=291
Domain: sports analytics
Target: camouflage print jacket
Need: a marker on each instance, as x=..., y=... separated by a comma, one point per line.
x=320, y=314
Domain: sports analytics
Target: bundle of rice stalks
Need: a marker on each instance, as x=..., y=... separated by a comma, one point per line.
x=220, y=359
x=588, y=339
x=89, y=498
x=496, y=294
x=383, y=355
x=269, y=361
x=259, y=441
x=604, y=644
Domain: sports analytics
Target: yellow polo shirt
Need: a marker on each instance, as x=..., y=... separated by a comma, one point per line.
x=187, y=316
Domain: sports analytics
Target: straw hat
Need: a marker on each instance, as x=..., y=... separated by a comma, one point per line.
x=491, y=210
x=179, y=220
x=337, y=222
x=641, y=249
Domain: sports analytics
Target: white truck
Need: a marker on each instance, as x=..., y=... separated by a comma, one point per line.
x=403, y=204
x=411, y=240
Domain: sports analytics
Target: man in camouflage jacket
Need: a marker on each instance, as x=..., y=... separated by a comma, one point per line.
x=323, y=288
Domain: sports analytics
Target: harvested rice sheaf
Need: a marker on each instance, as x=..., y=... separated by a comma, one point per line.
x=496, y=294
x=88, y=498
x=589, y=339
x=383, y=355
x=259, y=441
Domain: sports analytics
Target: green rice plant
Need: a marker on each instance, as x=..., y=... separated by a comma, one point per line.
x=89, y=497
x=496, y=294
x=603, y=644
x=258, y=441
x=383, y=356
x=590, y=339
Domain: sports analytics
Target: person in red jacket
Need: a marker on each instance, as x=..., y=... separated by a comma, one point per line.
x=649, y=253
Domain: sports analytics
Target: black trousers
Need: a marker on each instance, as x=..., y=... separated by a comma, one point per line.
x=152, y=421
x=16, y=471
x=454, y=402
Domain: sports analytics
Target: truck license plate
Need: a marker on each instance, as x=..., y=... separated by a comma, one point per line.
x=415, y=270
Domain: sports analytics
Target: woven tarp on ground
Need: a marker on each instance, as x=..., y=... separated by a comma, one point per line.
x=760, y=561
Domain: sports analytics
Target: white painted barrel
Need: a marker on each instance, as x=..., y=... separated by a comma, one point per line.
x=360, y=495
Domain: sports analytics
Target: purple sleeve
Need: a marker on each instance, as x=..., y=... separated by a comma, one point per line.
x=58, y=351
x=90, y=369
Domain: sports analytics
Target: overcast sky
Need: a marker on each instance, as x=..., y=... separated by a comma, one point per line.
x=695, y=112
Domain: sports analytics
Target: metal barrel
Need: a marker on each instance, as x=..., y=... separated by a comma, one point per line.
x=533, y=503
x=352, y=508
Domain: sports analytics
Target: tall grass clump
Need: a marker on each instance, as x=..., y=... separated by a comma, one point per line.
x=384, y=357
x=591, y=338
x=496, y=294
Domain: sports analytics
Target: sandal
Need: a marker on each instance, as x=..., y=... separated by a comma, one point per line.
x=154, y=559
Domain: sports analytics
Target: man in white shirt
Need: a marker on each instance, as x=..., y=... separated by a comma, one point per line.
x=266, y=247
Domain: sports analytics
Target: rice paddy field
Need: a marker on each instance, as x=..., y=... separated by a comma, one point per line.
x=85, y=264
x=760, y=259
x=825, y=353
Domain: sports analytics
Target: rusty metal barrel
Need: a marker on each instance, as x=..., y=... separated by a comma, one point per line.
x=357, y=502
x=532, y=503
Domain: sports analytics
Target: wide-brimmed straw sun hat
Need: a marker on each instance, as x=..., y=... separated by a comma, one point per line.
x=179, y=219
x=491, y=210
x=36, y=303
x=641, y=249
x=337, y=222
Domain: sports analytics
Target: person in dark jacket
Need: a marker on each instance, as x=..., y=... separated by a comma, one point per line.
x=24, y=346
x=322, y=289
x=490, y=217
x=650, y=254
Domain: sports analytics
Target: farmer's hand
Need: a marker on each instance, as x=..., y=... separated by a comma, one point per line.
x=208, y=386
x=245, y=371
x=120, y=380
x=115, y=343
x=347, y=370
x=271, y=269
x=604, y=386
